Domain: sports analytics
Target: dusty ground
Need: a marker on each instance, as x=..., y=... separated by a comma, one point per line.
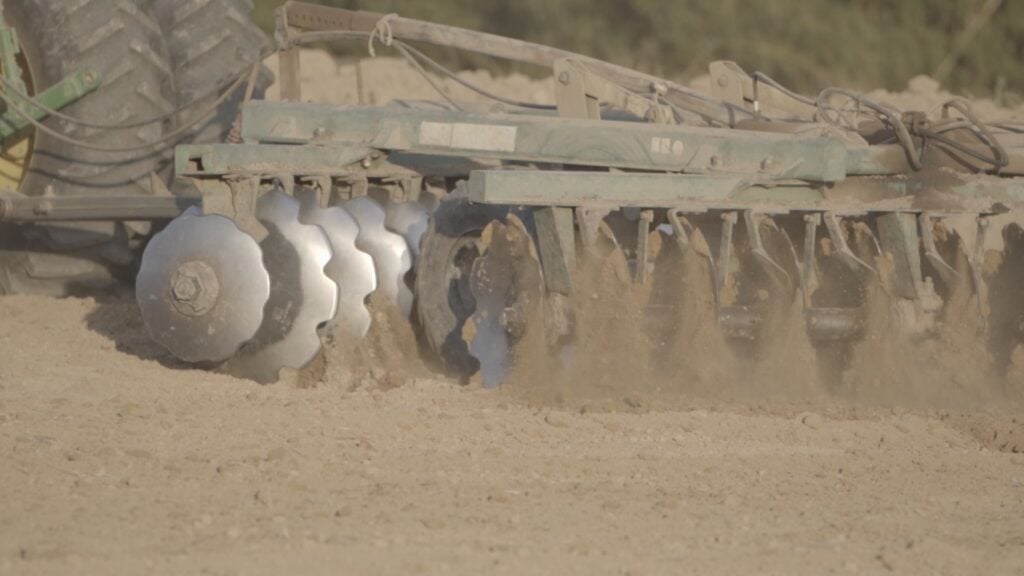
x=115, y=460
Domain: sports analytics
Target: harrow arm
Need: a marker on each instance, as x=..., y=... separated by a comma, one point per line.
x=752, y=208
x=23, y=209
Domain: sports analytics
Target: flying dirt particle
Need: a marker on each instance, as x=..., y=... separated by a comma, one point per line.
x=690, y=351
x=1015, y=374
x=637, y=347
x=556, y=420
x=812, y=420
x=386, y=358
x=275, y=454
x=786, y=362
x=950, y=368
x=633, y=402
x=607, y=354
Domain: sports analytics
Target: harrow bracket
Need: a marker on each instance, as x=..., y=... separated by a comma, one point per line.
x=556, y=242
x=838, y=236
x=898, y=236
x=947, y=273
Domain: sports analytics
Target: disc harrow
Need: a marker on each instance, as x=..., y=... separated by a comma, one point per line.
x=253, y=308
x=351, y=269
x=859, y=220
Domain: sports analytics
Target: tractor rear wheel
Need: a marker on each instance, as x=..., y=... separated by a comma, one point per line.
x=155, y=57
x=122, y=41
x=211, y=42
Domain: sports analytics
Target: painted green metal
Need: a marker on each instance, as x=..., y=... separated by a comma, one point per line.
x=723, y=169
x=221, y=159
x=341, y=160
x=527, y=138
x=55, y=97
x=876, y=160
x=703, y=192
x=599, y=143
x=618, y=190
x=266, y=122
x=9, y=50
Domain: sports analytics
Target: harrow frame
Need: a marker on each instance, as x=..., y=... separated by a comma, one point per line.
x=751, y=154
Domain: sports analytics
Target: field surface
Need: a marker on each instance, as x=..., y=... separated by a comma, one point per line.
x=117, y=460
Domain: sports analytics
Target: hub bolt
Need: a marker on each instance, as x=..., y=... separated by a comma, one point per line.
x=186, y=288
x=194, y=288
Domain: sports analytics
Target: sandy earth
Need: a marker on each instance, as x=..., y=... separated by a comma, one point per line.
x=117, y=460
x=114, y=462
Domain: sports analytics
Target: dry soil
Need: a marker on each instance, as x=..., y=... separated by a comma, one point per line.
x=114, y=459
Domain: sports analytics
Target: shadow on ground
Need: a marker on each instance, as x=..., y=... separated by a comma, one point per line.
x=119, y=320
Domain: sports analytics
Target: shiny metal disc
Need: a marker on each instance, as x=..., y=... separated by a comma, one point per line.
x=410, y=220
x=202, y=287
x=350, y=268
x=506, y=283
x=302, y=297
x=392, y=257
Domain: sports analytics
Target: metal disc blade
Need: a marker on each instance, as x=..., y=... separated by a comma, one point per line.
x=506, y=283
x=488, y=340
x=410, y=220
x=302, y=297
x=392, y=258
x=202, y=287
x=350, y=268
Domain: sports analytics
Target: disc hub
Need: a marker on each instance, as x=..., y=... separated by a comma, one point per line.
x=194, y=288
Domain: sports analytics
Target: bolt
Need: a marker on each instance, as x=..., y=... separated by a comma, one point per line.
x=715, y=161
x=194, y=288
x=186, y=288
x=723, y=81
x=564, y=78
x=88, y=78
x=766, y=163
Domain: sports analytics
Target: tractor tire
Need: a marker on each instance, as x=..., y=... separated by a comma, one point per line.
x=122, y=41
x=211, y=43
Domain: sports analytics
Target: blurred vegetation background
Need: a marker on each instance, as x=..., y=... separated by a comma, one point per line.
x=974, y=47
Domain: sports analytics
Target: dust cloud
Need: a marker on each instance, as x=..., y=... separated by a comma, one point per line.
x=660, y=345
